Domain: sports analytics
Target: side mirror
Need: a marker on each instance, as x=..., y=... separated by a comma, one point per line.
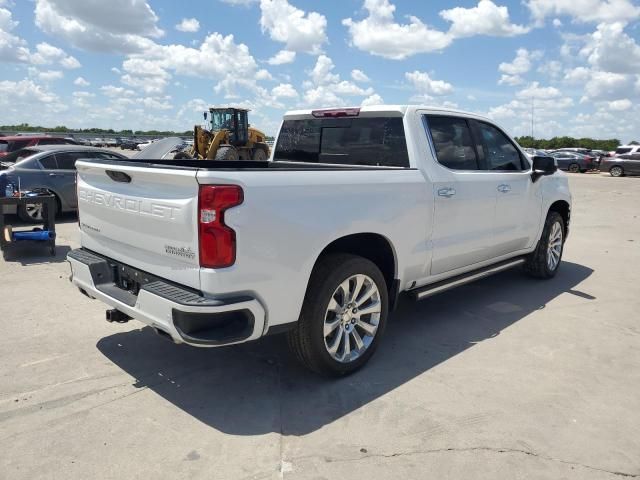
x=543, y=166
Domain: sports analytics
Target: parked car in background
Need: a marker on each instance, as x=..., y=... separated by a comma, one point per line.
x=620, y=165
x=534, y=152
x=573, y=162
x=129, y=144
x=51, y=168
x=17, y=142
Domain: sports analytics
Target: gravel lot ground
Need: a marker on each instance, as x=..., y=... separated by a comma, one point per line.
x=505, y=378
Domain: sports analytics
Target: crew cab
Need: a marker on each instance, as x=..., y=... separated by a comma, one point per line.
x=354, y=207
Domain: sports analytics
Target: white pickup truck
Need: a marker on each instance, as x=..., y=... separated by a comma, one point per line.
x=354, y=207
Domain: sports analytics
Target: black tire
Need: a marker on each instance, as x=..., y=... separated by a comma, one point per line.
x=307, y=340
x=574, y=168
x=227, y=153
x=616, y=171
x=182, y=156
x=536, y=264
x=260, y=153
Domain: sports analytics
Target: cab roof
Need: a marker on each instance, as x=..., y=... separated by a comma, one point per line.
x=379, y=110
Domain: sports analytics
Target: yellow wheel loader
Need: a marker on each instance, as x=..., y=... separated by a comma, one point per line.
x=229, y=137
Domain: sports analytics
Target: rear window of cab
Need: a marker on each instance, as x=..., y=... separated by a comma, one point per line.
x=370, y=141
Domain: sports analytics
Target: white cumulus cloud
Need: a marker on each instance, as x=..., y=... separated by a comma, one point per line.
x=282, y=57
x=188, y=25
x=300, y=31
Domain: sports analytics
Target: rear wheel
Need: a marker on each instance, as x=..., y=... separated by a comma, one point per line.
x=616, y=171
x=343, y=316
x=227, y=153
x=545, y=259
x=33, y=212
x=574, y=168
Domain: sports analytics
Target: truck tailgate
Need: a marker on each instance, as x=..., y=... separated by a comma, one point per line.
x=143, y=217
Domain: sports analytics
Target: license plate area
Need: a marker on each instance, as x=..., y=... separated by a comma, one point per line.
x=130, y=279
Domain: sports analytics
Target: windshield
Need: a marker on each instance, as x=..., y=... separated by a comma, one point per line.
x=221, y=119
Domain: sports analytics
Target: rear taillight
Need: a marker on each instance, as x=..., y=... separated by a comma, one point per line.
x=217, y=240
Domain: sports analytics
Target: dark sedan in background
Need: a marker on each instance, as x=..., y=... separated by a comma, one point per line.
x=620, y=165
x=573, y=161
x=49, y=168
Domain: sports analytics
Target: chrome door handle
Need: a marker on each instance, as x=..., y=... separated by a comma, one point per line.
x=53, y=175
x=447, y=192
x=504, y=188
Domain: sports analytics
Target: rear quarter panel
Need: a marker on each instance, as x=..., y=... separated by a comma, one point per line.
x=288, y=218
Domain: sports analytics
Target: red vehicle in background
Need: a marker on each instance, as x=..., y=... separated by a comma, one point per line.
x=12, y=143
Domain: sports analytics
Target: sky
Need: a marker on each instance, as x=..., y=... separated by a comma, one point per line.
x=573, y=66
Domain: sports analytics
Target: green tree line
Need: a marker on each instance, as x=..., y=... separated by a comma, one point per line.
x=568, y=142
x=61, y=129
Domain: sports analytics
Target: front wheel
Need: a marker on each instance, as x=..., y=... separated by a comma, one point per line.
x=616, y=171
x=343, y=316
x=544, y=261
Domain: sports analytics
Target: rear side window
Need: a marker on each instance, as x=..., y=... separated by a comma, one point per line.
x=104, y=155
x=49, y=162
x=67, y=160
x=3, y=146
x=453, y=143
x=620, y=151
x=499, y=152
x=345, y=141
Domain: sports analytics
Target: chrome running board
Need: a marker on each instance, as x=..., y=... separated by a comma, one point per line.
x=428, y=290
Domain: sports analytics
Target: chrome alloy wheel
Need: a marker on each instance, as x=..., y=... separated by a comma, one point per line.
x=352, y=317
x=34, y=211
x=554, y=247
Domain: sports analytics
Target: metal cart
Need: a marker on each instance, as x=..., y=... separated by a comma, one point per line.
x=44, y=236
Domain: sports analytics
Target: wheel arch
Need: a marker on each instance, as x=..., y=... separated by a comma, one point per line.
x=564, y=209
x=61, y=206
x=375, y=247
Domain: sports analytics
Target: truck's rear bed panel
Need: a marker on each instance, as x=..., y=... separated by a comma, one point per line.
x=148, y=222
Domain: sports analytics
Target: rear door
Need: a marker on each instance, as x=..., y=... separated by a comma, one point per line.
x=464, y=196
x=64, y=177
x=143, y=216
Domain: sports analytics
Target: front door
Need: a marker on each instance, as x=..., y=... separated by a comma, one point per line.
x=518, y=198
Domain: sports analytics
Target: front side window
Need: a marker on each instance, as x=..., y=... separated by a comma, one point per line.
x=344, y=141
x=499, y=152
x=452, y=142
x=221, y=120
